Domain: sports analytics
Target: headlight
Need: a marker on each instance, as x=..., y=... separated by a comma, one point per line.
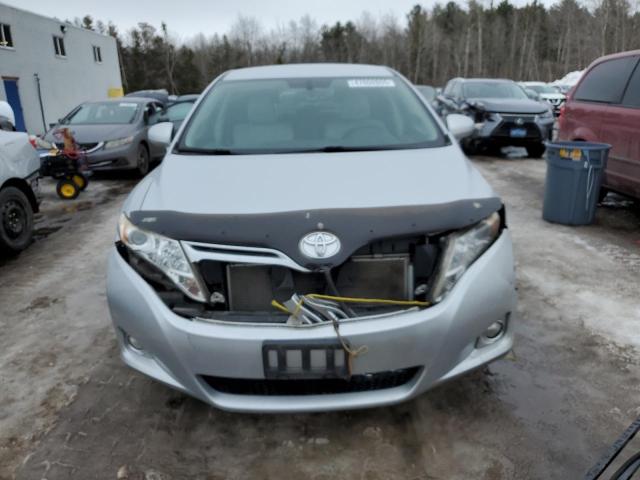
x=460, y=251
x=164, y=253
x=120, y=142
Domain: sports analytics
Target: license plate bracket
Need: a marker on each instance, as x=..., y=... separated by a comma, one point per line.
x=518, y=132
x=283, y=359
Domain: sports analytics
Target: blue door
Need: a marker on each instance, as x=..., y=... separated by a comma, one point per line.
x=13, y=98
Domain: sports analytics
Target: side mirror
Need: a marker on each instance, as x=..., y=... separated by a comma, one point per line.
x=460, y=126
x=161, y=133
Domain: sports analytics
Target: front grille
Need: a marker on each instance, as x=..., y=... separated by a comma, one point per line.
x=246, y=283
x=364, y=277
x=514, y=121
x=326, y=386
x=242, y=282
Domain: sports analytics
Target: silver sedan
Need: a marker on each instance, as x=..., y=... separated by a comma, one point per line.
x=315, y=239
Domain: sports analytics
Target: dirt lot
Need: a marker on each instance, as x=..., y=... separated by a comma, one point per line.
x=70, y=409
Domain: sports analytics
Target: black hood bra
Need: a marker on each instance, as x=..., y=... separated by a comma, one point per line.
x=282, y=231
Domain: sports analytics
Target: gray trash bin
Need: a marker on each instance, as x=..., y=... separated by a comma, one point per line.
x=574, y=175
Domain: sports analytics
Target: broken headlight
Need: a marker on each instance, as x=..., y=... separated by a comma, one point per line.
x=164, y=253
x=461, y=249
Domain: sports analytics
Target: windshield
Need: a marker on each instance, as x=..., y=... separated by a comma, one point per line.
x=542, y=89
x=493, y=90
x=310, y=114
x=103, y=113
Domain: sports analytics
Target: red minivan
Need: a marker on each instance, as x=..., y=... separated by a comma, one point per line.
x=605, y=107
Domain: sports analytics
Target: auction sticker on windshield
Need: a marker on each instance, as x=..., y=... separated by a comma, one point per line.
x=371, y=83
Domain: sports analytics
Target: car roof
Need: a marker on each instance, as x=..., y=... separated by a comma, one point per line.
x=141, y=101
x=309, y=70
x=629, y=53
x=487, y=80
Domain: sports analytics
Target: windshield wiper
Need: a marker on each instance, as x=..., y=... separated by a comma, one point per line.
x=207, y=151
x=343, y=148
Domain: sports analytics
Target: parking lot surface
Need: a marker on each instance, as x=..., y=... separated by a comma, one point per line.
x=70, y=409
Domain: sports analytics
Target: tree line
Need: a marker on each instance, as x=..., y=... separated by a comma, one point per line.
x=429, y=46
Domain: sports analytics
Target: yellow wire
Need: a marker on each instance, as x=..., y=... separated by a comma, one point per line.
x=279, y=306
x=414, y=303
x=351, y=352
x=411, y=303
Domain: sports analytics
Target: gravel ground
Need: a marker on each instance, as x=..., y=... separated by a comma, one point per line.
x=70, y=409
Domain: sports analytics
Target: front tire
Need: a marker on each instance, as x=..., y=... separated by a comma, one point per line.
x=16, y=220
x=535, y=151
x=142, y=160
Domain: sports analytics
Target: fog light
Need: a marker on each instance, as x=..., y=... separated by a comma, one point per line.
x=494, y=330
x=134, y=343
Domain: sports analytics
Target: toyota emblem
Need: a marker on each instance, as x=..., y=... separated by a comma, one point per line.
x=320, y=245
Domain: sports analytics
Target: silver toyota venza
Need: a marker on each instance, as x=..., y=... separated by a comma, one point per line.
x=314, y=239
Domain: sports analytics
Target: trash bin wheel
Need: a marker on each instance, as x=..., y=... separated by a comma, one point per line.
x=80, y=180
x=67, y=189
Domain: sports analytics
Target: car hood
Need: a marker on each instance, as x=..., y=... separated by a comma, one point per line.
x=255, y=184
x=273, y=201
x=94, y=133
x=510, y=105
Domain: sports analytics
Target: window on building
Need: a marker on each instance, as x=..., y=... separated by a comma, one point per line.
x=5, y=36
x=97, y=54
x=58, y=46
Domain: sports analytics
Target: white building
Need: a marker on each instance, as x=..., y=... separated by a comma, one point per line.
x=48, y=67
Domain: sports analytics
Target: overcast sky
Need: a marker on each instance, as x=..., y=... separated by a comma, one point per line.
x=188, y=17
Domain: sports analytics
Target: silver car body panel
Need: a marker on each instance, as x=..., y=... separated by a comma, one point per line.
x=196, y=251
x=356, y=180
x=441, y=340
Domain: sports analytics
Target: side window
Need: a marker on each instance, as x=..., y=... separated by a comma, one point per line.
x=449, y=89
x=152, y=112
x=605, y=82
x=5, y=36
x=457, y=90
x=632, y=95
x=58, y=46
x=97, y=54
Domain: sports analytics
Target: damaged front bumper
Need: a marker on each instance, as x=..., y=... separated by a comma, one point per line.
x=426, y=346
x=513, y=129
